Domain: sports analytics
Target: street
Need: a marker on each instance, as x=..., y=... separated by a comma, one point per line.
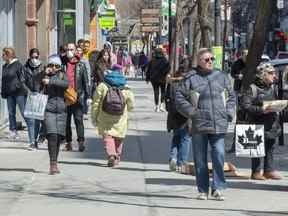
x=141, y=185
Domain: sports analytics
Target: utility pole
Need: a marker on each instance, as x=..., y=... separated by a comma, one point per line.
x=170, y=28
x=217, y=23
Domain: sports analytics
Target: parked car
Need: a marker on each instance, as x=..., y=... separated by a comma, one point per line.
x=282, y=55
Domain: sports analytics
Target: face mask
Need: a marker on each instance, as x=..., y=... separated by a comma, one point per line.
x=70, y=54
x=35, y=61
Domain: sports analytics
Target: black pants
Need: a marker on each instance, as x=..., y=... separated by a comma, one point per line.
x=268, y=159
x=77, y=112
x=53, y=146
x=156, y=88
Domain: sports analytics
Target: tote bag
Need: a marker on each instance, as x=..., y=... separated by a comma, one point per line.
x=249, y=140
x=35, y=106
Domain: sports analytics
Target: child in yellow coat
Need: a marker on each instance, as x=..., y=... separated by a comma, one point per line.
x=113, y=128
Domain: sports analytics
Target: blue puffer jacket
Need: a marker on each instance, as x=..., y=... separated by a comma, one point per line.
x=208, y=99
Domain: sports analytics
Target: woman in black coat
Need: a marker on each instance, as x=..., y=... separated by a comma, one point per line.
x=55, y=83
x=252, y=103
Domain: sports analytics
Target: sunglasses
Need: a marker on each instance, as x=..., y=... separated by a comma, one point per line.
x=209, y=59
x=54, y=65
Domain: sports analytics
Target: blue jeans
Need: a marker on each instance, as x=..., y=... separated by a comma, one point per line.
x=180, y=146
x=12, y=101
x=200, y=148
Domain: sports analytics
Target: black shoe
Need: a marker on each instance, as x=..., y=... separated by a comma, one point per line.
x=81, y=147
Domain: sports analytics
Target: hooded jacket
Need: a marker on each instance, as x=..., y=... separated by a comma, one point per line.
x=157, y=69
x=34, y=76
x=107, y=124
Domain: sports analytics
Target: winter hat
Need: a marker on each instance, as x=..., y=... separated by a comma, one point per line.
x=54, y=59
x=265, y=68
x=108, y=44
x=116, y=67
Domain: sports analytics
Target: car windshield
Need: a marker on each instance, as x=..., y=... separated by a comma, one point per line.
x=283, y=55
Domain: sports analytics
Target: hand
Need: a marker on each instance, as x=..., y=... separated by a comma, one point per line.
x=240, y=76
x=89, y=101
x=45, y=81
x=268, y=110
x=48, y=70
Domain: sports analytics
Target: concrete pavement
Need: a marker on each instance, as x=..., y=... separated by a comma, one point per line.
x=142, y=185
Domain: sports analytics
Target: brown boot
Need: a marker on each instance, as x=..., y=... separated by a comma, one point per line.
x=272, y=175
x=68, y=146
x=53, y=168
x=257, y=176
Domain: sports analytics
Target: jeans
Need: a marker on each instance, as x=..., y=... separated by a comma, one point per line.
x=268, y=159
x=180, y=146
x=200, y=148
x=77, y=112
x=53, y=146
x=156, y=87
x=12, y=101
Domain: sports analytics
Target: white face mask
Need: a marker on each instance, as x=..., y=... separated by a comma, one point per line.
x=35, y=61
x=70, y=54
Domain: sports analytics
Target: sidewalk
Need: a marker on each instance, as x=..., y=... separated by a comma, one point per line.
x=142, y=185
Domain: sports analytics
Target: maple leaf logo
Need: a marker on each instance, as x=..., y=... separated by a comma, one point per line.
x=249, y=140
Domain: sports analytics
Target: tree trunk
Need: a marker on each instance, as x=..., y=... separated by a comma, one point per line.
x=203, y=10
x=258, y=41
x=225, y=33
x=217, y=23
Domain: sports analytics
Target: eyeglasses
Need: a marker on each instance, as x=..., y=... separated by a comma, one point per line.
x=34, y=57
x=54, y=65
x=209, y=59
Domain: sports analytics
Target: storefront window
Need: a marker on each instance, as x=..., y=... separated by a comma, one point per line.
x=66, y=21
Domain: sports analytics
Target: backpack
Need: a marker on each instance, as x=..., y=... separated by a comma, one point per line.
x=114, y=101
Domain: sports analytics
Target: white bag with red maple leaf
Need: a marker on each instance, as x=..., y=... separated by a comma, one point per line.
x=249, y=140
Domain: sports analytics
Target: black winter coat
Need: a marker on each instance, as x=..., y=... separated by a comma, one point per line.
x=55, y=114
x=237, y=68
x=13, y=80
x=157, y=70
x=174, y=119
x=33, y=76
x=253, y=106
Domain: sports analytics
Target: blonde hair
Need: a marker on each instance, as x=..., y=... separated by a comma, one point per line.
x=9, y=52
x=202, y=51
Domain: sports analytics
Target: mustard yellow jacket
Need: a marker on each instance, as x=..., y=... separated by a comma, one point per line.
x=108, y=124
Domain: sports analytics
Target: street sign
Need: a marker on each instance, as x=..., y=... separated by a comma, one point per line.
x=150, y=28
x=155, y=12
x=218, y=53
x=150, y=19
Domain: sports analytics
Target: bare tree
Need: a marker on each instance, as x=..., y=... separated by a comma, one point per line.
x=205, y=25
x=258, y=41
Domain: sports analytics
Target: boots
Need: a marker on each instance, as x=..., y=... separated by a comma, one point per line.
x=81, y=147
x=257, y=176
x=53, y=168
x=272, y=175
x=68, y=146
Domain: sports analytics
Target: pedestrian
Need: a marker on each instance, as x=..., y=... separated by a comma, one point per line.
x=79, y=52
x=15, y=90
x=78, y=80
x=34, y=75
x=252, y=104
x=54, y=84
x=156, y=73
x=108, y=47
x=143, y=61
x=112, y=126
x=102, y=64
x=86, y=49
x=181, y=141
x=207, y=98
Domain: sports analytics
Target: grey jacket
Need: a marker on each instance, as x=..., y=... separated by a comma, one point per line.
x=208, y=99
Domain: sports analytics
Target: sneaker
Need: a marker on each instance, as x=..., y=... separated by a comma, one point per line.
x=13, y=135
x=111, y=161
x=217, y=195
x=31, y=147
x=172, y=165
x=202, y=196
x=68, y=147
x=162, y=107
x=157, y=108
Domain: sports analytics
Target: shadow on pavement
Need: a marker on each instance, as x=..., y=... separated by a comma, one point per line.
x=246, y=185
x=19, y=170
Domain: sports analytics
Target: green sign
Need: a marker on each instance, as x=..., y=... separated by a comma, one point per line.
x=107, y=22
x=165, y=7
x=68, y=20
x=218, y=54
